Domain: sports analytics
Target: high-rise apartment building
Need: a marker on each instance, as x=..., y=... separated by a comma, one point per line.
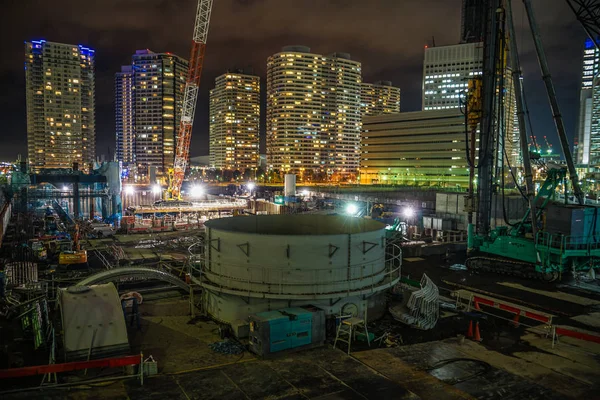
x=446, y=74
x=60, y=104
x=590, y=68
x=235, y=122
x=124, y=114
x=157, y=87
x=313, y=112
x=472, y=23
x=379, y=98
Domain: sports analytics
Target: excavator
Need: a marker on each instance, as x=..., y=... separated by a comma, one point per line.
x=554, y=237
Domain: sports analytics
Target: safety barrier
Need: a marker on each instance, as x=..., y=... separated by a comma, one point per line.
x=574, y=333
x=71, y=366
x=474, y=300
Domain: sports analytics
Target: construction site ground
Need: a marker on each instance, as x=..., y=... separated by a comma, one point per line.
x=511, y=362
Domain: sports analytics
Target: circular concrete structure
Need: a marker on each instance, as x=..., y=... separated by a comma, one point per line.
x=290, y=260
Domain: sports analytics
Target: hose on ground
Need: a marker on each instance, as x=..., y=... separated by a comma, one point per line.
x=442, y=363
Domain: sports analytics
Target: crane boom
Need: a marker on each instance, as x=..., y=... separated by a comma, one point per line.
x=587, y=13
x=190, y=97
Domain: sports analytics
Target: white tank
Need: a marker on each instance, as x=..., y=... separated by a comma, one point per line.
x=289, y=188
x=257, y=263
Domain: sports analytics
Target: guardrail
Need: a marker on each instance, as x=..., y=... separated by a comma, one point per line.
x=561, y=243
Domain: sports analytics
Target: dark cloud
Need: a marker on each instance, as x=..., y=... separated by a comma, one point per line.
x=387, y=36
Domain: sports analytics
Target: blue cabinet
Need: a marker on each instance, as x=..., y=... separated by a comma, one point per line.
x=275, y=331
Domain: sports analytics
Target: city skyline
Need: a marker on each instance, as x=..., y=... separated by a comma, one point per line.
x=383, y=51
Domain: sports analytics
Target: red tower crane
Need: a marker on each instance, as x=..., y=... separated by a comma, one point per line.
x=190, y=97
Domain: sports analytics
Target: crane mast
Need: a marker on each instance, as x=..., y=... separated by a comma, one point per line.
x=190, y=97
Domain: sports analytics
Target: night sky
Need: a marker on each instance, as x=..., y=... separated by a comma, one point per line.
x=386, y=36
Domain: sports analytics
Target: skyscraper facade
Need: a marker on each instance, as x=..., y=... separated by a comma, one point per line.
x=157, y=87
x=124, y=114
x=313, y=113
x=592, y=144
x=446, y=74
x=379, y=98
x=159, y=84
x=590, y=68
x=235, y=122
x=59, y=81
x=472, y=23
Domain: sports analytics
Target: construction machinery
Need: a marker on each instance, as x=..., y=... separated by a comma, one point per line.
x=76, y=255
x=190, y=97
x=553, y=236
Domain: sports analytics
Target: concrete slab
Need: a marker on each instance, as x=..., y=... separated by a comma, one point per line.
x=541, y=374
x=592, y=319
x=418, y=382
x=176, y=344
x=496, y=383
x=587, y=354
x=571, y=298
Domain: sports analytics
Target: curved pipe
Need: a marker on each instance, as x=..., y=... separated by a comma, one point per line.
x=113, y=274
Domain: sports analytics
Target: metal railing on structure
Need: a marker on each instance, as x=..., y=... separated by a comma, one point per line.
x=382, y=273
x=559, y=243
x=207, y=205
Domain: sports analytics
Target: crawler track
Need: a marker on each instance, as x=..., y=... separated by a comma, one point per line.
x=505, y=266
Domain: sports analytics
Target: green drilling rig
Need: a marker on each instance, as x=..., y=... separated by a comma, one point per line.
x=556, y=235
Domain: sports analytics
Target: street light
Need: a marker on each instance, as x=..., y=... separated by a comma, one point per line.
x=409, y=212
x=250, y=186
x=156, y=189
x=196, y=191
x=351, y=209
x=129, y=190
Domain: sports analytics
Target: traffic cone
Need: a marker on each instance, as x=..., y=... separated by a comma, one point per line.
x=470, y=331
x=477, y=306
x=477, y=337
x=516, y=320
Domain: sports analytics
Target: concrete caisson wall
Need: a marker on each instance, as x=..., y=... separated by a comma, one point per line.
x=258, y=263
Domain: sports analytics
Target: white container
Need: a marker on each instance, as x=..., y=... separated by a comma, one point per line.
x=290, y=185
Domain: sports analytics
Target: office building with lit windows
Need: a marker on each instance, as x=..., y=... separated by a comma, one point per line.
x=59, y=82
x=421, y=148
x=124, y=115
x=235, y=122
x=379, y=98
x=446, y=74
x=157, y=88
x=313, y=113
x=588, y=123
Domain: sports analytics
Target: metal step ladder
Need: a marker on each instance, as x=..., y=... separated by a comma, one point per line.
x=347, y=328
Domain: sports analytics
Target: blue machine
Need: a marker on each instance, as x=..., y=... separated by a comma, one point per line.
x=290, y=328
